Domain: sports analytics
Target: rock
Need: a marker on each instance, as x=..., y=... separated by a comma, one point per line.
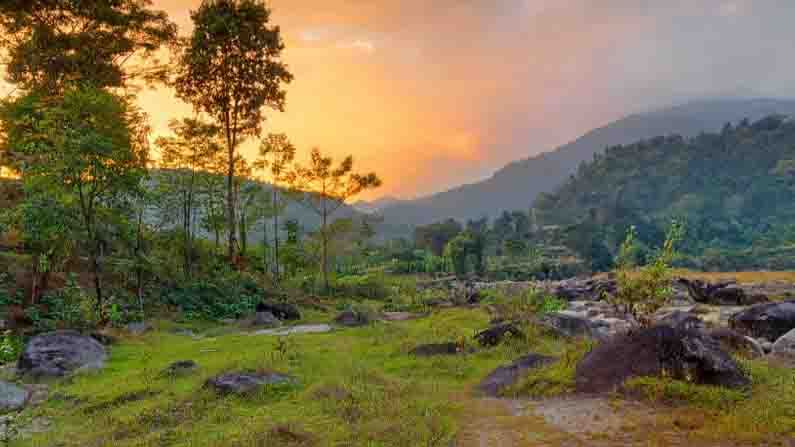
x=265, y=319
x=505, y=376
x=105, y=339
x=785, y=345
x=246, y=382
x=39, y=393
x=12, y=397
x=679, y=319
x=767, y=346
x=57, y=354
x=352, y=318
x=400, y=316
x=496, y=334
x=137, y=327
x=180, y=368
x=282, y=311
x=574, y=289
x=569, y=325
x=770, y=320
x=656, y=351
x=720, y=294
x=434, y=349
x=735, y=342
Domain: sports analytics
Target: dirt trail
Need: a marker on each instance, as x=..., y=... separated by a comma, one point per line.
x=570, y=422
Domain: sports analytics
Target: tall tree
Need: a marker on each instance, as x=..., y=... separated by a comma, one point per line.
x=87, y=146
x=276, y=155
x=186, y=156
x=52, y=43
x=324, y=188
x=231, y=69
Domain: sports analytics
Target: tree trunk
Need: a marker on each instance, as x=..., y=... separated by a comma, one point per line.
x=324, y=251
x=139, y=271
x=275, y=235
x=230, y=199
x=96, y=271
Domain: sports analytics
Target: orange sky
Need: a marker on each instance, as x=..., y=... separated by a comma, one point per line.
x=432, y=94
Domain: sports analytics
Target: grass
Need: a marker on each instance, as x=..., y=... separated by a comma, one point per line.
x=740, y=277
x=356, y=387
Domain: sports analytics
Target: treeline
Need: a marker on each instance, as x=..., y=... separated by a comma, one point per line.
x=90, y=198
x=732, y=190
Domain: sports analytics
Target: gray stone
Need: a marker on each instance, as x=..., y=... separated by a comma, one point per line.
x=679, y=319
x=569, y=325
x=12, y=397
x=300, y=329
x=505, y=376
x=733, y=341
x=247, y=382
x=266, y=320
x=785, y=345
x=180, y=368
x=137, y=327
x=57, y=354
x=770, y=320
x=352, y=318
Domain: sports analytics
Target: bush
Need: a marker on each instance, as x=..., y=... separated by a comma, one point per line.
x=10, y=347
x=520, y=306
x=231, y=296
x=644, y=290
x=69, y=307
x=371, y=286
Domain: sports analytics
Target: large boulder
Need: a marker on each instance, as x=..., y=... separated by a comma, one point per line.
x=436, y=349
x=352, y=318
x=56, y=354
x=265, y=320
x=769, y=321
x=12, y=397
x=680, y=319
x=657, y=351
x=576, y=289
x=505, y=376
x=785, y=345
x=282, y=311
x=246, y=382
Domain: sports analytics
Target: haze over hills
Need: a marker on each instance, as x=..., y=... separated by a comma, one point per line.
x=517, y=185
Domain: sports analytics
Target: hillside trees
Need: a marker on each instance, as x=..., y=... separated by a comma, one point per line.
x=276, y=156
x=230, y=68
x=434, y=237
x=324, y=187
x=87, y=147
x=189, y=155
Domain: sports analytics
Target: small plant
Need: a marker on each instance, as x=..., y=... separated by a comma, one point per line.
x=10, y=347
x=644, y=290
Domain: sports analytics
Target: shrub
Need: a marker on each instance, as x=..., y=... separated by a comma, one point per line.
x=371, y=286
x=520, y=306
x=230, y=296
x=644, y=290
x=10, y=347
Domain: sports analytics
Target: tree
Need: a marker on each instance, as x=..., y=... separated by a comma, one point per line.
x=187, y=156
x=52, y=43
x=324, y=188
x=230, y=69
x=434, y=237
x=276, y=155
x=86, y=146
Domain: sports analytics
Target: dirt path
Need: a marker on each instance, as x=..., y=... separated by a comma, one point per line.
x=571, y=422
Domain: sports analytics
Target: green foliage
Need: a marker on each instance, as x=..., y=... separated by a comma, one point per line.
x=11, y=346
x=733, y=190
x=435, y=237
x=70, y=307
x=644, y=290
x=228, y=295
x=54, y=43
x=369, y=286
x=520, y=306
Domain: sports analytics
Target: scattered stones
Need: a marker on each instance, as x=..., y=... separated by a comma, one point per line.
x=137, y=327
x=300, y=329
x=575, y=289
x=436, y=349
x=180, y=368
x=57, y=354
x=12, y=397
x=653, y=352
x=266, y=320
x=505, y=376
x=496, y=334
x=246, y=382
x=352, y=318
x=770, y=321
x=785, y=345
x=735, y=342
x=282, y=311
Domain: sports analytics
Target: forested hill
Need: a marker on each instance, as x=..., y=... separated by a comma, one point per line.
x=517, y=185
x=735, y=191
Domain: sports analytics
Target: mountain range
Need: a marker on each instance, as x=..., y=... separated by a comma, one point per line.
x=517, y=185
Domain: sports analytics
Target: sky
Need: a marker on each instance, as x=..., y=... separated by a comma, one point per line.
x=431, y=94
